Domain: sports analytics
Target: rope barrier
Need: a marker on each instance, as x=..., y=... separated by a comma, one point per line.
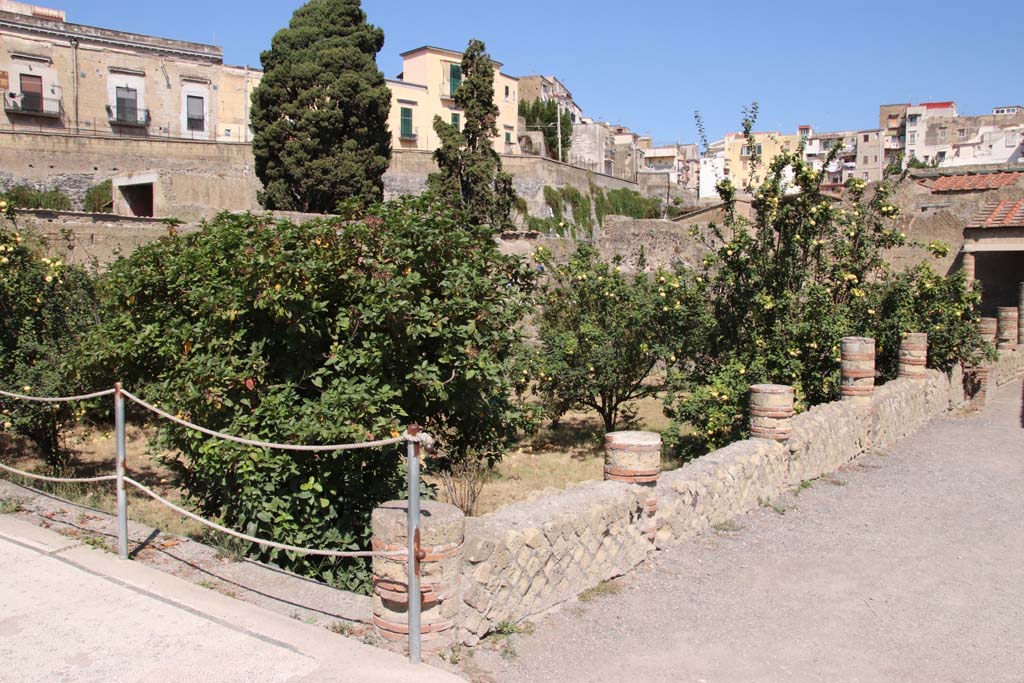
x=59, y=480
x=61, y=399
x=260, y=541
x=265, y=444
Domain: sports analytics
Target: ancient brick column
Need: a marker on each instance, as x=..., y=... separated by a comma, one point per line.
x=1020, y=316
x=1006, y=328
x=980, y=376
x=987, y=330
x=771, y=408
x=913, y=355
x=858, y=369
x=968, y=266
x=442, y=531
x=632, y=457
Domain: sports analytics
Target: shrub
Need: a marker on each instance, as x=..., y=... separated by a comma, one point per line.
x=25, y=197
x=785, y=287
x=47, y=306
x=333, y=331
x=623, y=202
x=100, y=198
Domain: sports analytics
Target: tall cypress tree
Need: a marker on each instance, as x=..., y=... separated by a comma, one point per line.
x=470, y=174
x=320, y=114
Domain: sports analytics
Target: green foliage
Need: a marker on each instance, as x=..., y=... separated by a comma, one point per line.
x=580, y=223
x=319, y=115
x=604, y=333
x=544, y=116
x=25, y=197
x=553, y=198
x=330, y=332
x=470, y=175
x=579, y=203
x=521, y=206
x=785, y=287
x=100, y=198
x=47, y=305
x=623, y=202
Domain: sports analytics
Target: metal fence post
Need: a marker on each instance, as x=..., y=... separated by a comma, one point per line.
x=413, y=452
x=122, y=497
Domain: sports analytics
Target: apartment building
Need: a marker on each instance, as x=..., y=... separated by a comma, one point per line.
x=547, y=88
x=892, y=119
x=426, y=88
x=681, y=163
x=996, y=138
x=593, y=146
x=63, y=77
x=919, y=117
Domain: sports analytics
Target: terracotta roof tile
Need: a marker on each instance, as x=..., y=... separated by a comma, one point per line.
x=1007, y=213
x=975, y=181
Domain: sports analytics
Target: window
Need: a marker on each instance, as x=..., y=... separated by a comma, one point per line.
x=876, y=159
x=866, y=138
x=407, y=131
x=194, y=111
x=913, y=119
x=454, y=77
x=865, y=174
x=31, y=93
x=745, y=150
x=127, y=107
x=508, y=138
x=508, y=91
x=962, y=133
x=455, y=121
x=942, y=134
x=911, y=137
x=941, y=156
x=865, y=162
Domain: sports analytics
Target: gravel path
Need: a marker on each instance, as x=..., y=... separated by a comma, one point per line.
x=908, y=565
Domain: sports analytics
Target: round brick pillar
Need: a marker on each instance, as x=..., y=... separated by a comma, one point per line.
x=980, y=376
x=442, y=531
x=858, y=369
x=987, y=330
x=968, y=267
x=913, y=355
x=771, y=407
x=1006, y=327
x=1020, y=316
x=632, y=457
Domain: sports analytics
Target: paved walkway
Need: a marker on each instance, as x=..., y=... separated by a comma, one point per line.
x=69, y=612
x=907, y=566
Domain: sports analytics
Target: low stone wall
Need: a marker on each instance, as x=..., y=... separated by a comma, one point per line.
x=528, y=557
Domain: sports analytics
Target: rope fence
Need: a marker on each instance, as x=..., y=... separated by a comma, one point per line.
x=412, y=437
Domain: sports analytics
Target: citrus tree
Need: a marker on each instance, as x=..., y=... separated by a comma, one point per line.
x=329, y=332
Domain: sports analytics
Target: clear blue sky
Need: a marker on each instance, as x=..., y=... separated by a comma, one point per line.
x=650, y=64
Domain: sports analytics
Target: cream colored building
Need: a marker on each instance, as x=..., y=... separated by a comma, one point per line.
x=738, y=156
x=67, y=78
x=425, y=89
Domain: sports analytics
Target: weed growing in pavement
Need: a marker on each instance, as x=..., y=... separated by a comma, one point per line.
x=603, y=589
x=8, y=506
x=726, y=526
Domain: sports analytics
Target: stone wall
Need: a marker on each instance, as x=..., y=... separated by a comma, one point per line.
x=527, y=558
x=196, y=179
x=409, y=169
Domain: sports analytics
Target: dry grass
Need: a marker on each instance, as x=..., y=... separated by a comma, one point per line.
x=92, y=452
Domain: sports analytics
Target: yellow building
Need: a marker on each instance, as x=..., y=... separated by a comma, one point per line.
x=425, y=89
x=738, y=155
x=61, y=77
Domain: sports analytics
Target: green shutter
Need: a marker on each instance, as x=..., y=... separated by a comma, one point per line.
x=508, y=137
x=455, y=121
x=455, y=76
x=406, y=122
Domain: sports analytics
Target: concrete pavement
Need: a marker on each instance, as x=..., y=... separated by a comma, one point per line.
x=69, y=612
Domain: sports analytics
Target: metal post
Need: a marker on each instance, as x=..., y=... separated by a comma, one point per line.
x=122, y=498
x=413, y=451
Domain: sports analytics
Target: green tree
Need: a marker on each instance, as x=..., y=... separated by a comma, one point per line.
x=45, y=308
x=470, y=175
x=604, y=335
x=329, y=332
x=544, y=116
x=319, y=115
x=788, y=284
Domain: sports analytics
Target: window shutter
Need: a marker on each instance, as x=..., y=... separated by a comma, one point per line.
x=406, y=122
x=455, y=76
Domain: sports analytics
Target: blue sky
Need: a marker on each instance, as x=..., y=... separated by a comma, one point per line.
x=650, y=64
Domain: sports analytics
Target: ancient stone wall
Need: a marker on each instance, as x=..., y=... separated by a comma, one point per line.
x=528, y=557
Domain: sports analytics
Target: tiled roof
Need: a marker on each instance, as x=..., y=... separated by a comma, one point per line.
x=937, y=105
x=975, y=181
x=1008, y=213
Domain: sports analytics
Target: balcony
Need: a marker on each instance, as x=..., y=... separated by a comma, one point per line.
x=128, y=116
x=447, y=89
x=33, y=105
x=409, y=136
